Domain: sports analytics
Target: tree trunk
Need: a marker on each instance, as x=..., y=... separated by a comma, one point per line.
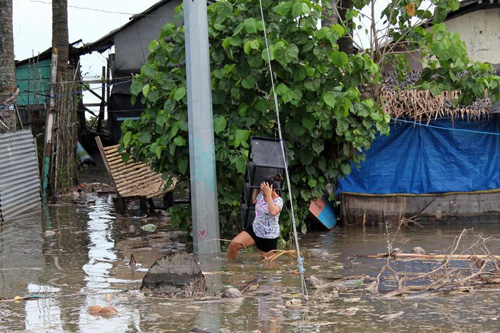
x=7, y=66
x=64, y=156
x=60, y=36
x=334, y=13
x=329, y=13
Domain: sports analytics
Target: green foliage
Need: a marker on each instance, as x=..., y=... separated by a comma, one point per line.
x=326, y=121
x=446, y=65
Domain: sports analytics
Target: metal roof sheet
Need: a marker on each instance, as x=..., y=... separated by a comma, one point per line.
x=19, y=177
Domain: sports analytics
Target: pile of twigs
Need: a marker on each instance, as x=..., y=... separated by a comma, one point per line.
x=469, y=268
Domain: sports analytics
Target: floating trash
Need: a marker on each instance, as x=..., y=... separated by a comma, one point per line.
x=149, y=227
x=94, y=309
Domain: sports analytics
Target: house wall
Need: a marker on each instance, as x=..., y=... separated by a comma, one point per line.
x=131, y=44
x=480, y=30
x=31, y=78
x=441, y=208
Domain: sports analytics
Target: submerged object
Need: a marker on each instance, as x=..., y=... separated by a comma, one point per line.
x=322, y=209
x=82, y=154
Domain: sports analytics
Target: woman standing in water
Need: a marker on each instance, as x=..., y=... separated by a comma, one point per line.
x=265, y=230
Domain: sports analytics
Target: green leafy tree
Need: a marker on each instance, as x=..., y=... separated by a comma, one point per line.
x=327, y=122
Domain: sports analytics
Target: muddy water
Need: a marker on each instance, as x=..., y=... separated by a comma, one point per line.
x=73, y=257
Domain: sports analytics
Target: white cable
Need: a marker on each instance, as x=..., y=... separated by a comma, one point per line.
x=300, y=260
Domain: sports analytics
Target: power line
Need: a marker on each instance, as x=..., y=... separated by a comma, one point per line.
x=87, y=8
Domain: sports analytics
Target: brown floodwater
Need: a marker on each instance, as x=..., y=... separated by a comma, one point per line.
x=71, y=257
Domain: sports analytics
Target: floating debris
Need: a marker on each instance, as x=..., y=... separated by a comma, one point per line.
x=352, y=300
x=49, y=233
x=317, y=253
x=349, y=311
x=132, y=263
x=392, y=315
x=149, y=227
x=94, y=309
x=293, y=303
x=314, y=282
x=231, y=293
x=176, y=274
x=418, y=250
x=108, y=312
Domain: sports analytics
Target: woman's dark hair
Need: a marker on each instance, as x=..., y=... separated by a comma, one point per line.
x=275, y=181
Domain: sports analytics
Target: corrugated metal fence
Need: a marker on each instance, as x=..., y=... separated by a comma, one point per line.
x=19, y=177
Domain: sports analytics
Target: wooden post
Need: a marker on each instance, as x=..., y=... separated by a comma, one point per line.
x=49, y=123
x=108, y=85
x=103, y=94
x=143, y=205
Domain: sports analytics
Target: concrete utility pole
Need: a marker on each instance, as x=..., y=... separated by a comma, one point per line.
x=201, y=134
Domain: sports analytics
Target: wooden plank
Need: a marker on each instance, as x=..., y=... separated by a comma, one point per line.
x=141, y=191
x=146, y=180
x=112, y=155
x=433, y=256
x=120, y=162
x=135, y=173
x=138, y=192
x=93, y=81
x=119, y=169
x=104, y=159
x=111, y=148
x=132, y=179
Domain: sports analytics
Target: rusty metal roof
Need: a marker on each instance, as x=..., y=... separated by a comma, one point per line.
x=131, y=179
x=19, y=176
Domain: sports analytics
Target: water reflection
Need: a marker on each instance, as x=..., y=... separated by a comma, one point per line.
x=43, y=315
x=20, y=255
x=101, y=253
x=101, y=256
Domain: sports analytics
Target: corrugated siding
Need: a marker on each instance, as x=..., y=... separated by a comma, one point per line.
x=19, y=178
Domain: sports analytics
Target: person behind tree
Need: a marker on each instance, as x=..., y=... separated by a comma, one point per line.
x=264, y=230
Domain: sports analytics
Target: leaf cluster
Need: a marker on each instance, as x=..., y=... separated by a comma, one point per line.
x=325, y=120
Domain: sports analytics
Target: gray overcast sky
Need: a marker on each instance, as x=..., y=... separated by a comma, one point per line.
x=33, y=25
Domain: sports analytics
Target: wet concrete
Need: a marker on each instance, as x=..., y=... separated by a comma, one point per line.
x=76, y=256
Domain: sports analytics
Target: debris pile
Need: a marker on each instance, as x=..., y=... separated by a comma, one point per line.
x=175, y=275
x=471, y=267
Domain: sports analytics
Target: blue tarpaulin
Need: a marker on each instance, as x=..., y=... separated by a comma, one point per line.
x=446, y=156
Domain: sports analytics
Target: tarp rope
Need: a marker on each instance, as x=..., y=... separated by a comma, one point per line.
x=443, y=128
x=300, y=260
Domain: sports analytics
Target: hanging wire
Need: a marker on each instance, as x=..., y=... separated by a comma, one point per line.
x=75, y=92
x=443, y=128
x=300, y=260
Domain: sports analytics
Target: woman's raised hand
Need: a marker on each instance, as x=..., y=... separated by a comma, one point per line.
x=266, y=189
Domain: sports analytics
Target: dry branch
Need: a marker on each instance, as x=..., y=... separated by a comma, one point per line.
x=432, y=256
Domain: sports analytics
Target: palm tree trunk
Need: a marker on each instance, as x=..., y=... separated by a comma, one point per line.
x=60, y=36
x=7, y=65
x=65, y=165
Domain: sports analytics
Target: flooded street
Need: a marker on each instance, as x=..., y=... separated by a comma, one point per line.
x=76, y=256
